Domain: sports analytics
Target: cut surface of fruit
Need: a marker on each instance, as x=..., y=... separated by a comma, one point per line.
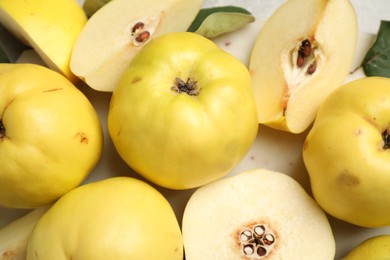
x=50, y=27
x=118, y=30
x=256, y=214
x=302, y=53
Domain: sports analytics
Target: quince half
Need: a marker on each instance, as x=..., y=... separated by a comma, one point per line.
x=118, y=30
x=256, y=214
x=50, y=27
x=302, y=53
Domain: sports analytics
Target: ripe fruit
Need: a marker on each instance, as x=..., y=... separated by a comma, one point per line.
x=14, y=235
x=374, y=248
x=347, y=154
x=114, y=34
x=50, y=136
x=51, y=27
x=255, y=214
x=303, y=52
x=115, y=218
x=183, y=113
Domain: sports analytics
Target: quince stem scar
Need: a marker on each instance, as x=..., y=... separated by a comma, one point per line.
x=2, y=129
x=189, y=87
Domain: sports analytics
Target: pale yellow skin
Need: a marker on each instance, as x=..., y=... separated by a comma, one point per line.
x=51, y=27
x=116, y=218
x=14, y=235
x=176, y=140
x=344, y=154
x=374, y=248
x=53, y=137
x=287, y=97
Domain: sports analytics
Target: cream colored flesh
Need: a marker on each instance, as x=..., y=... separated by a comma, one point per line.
x=107, y=43
x=222, y=220
x=288, y=97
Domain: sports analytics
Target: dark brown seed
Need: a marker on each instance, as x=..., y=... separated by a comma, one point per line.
x=138, y=26
x=300, y=59
x=143, y=36
x=312, y=68
x=306, y=48
x=261, y=251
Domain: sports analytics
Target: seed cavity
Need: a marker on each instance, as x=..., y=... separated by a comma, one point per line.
x=141, y=31
x=139, y=34
x=257, y=241
x=300, y=61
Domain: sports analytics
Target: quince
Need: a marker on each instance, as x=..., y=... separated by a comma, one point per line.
x=50, y=136
x=303, y=52
x=347, y=153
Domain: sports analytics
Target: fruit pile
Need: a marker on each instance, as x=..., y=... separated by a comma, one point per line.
x=182, y=114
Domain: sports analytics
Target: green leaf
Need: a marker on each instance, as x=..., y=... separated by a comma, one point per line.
x=377, y=60
x=214, y=21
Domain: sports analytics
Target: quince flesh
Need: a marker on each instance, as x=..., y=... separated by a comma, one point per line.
x=118, y=30
x=303, y=52
x=256, y=214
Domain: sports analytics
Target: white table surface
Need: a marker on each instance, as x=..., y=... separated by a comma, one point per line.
x=369, y=13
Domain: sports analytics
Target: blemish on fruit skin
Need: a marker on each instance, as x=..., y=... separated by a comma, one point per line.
x=136, y=79
x=9, y=254
x=305, y=145
x=51, y=90
x=358, y=132
x=82, y=137
x=347, y=179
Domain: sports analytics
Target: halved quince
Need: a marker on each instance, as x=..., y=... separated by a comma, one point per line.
x=303, y=52
x=254, y=215
x=118, y=30
x=50, y=27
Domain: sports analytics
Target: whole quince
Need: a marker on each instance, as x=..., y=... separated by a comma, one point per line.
x=50, y=136
x=183, y=113
x=115, y=218
x=347, y=153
